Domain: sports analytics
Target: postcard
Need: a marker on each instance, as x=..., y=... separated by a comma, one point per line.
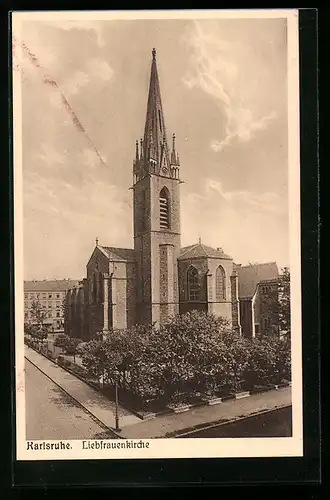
x=157, y=234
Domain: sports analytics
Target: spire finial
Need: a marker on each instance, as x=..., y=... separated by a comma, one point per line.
x=96, y=241
x=141, y=148
x=137, y=150
x=154, y=54
x=199, y=240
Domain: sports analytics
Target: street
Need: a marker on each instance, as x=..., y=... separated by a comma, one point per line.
x=52, y=414
x=276, y=423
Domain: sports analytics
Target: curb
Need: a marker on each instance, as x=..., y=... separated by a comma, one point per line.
x=95, y=387
x=210, y=425
x=76, y=400
x=170, y=409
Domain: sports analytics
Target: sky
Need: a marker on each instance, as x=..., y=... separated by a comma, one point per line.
x=224, y=91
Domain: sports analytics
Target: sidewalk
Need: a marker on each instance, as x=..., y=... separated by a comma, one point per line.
x=161, y=427
x=93, y=401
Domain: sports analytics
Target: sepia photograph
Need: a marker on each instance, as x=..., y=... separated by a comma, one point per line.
x=157, y=234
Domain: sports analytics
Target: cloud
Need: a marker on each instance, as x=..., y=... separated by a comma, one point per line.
x=95, y=71
x=68, y=217
x=257, y=202
x=75, y=82
x=244, y=130
x=99, y=68
x=50, y=156
x=216, y=69
x=250, y=226
x=83, y=25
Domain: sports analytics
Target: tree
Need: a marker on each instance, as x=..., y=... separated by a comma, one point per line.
x=71, y=347
x=190, y=353
x=284, y=299
x=61, y=341
x=38, y=313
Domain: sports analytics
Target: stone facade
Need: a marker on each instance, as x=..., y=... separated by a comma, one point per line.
x=50, y=294
x=258, y=299
x=157, y=278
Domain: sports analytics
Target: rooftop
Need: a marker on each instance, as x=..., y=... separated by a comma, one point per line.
x=49, y=285
x=250, y=276
x=118, y=254
x=199, y=250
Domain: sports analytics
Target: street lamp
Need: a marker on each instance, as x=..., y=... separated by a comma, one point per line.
x=116, y=375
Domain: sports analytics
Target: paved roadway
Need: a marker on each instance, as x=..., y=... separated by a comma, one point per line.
x=52, y=414
x=277, y=423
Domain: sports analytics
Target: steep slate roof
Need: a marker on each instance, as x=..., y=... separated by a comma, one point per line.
x=200, y=250
x=250, y=276
x=119, y=254
x=49, y=285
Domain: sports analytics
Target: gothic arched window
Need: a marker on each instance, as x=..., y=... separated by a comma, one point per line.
x=220, y=283
x=164, y=209
x=193, y=286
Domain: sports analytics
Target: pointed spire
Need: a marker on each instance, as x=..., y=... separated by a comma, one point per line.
x=141, y=148
x=155, y=141
x=155, y=155
x=173, y=154
x=137, y=151
x=96, y=241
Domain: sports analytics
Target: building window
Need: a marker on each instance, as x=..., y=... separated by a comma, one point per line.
x=193, y=283
x=266, y=323
x=57, y=296
x=256, y=329
x=57, y=314
x=164, y=209
x=49, y=295
x=220, y=283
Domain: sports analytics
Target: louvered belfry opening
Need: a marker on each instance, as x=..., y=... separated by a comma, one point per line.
x=164, y=210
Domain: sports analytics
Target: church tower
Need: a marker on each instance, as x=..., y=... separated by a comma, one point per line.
x=156, y=203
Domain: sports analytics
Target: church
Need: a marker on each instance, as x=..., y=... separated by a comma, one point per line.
x=157, y=278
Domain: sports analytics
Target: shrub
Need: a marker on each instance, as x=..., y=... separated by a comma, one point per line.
x=260, y=369
x=195, y=352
